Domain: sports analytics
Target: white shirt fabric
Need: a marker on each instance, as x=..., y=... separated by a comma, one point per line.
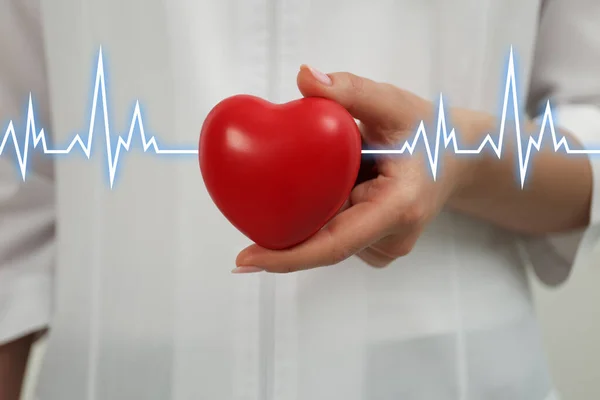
x=145, y=306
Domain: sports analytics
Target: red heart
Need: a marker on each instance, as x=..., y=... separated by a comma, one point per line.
x=279, y=172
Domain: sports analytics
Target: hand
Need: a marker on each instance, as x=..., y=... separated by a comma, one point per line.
x=386, y=215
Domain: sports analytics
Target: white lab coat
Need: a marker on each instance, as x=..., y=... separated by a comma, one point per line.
x=144, y=304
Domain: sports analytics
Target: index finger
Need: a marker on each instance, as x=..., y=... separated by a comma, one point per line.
x=348, y=233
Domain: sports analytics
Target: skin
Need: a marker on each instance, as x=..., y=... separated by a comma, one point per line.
x=13, y=363
x=385, y=216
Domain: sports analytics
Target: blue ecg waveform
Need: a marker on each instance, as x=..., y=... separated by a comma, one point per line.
x=33, y=137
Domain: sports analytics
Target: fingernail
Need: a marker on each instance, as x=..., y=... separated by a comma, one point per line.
x=321, y=77
x=246, y=270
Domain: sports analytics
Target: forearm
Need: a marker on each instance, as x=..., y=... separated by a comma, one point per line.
x=556, y=196
x=13, y=364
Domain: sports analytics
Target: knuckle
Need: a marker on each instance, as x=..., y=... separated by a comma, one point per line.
x=339, y=254
x=398, y=249
x=381, y=262
x=366, y=191
x=412, y=215
x=355, y=90
x=338, y=251
x=372, y=259
x=404, y=249
x=355, y=83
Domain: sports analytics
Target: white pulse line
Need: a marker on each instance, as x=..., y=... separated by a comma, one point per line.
x=113, y=161
x=450, y=138
x=408, y=146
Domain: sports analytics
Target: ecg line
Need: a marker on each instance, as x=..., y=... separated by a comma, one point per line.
x=113, y=160
x=450, y=138
x=409, y=146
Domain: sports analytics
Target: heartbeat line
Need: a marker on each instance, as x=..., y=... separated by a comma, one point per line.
x=449, y=138
x=34, y=138
x=31, y=133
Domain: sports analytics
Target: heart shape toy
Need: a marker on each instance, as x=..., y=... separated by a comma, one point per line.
x=279, y=172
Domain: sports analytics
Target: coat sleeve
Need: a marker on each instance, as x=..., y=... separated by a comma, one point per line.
x=566, y=71
x=26, y=206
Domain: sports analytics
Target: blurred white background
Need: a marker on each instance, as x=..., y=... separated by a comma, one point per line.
x=570, y=318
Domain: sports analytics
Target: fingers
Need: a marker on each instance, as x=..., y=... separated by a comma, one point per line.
x=374, y=258
x=347, y=234
x=373, y=103
x=396, y=246
x=362, y=97
x=371, y=190
x=390, y=248
x=345, y=206
x=374, y=212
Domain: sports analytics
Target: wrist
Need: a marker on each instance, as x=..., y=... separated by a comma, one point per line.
x=471, y=128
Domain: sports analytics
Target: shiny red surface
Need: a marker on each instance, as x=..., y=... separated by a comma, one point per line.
x=279, y=172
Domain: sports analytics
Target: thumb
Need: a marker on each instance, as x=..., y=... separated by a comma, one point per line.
x=373, y=103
